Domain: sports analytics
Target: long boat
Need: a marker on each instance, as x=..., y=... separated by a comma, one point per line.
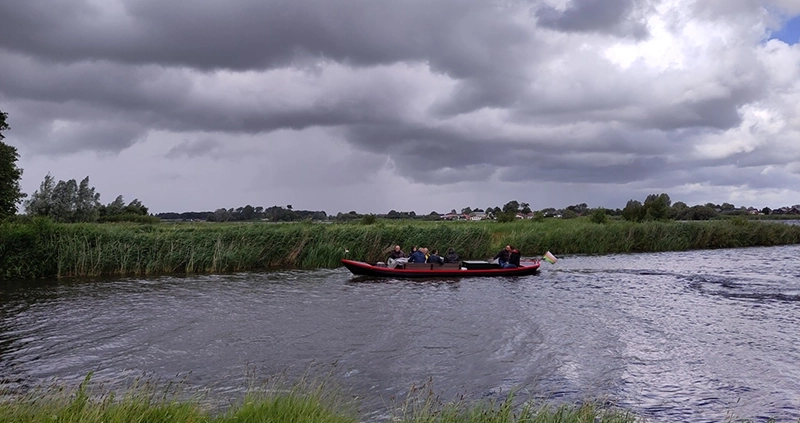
x=447, y=270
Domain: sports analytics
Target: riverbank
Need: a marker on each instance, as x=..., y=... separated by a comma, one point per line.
x=45, y=249
x=301, y=403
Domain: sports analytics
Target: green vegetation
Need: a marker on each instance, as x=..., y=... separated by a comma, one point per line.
x=10, y=175
x=302, y=402
x=41, y=248
x=69, y=202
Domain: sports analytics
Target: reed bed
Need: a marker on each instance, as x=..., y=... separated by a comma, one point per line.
x=45, y=249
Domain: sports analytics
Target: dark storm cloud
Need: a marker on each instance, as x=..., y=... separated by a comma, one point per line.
x=439, y=91
x=616, y=17
x=257, y=34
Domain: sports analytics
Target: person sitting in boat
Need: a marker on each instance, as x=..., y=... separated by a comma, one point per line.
x=397, y=258
x=435, y=258
x=513, y=258
x=451, y=256
x=417, y=256
x=502, y=256
x=397, y=253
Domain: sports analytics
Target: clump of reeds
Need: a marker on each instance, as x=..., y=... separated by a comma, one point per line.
x=424, y=405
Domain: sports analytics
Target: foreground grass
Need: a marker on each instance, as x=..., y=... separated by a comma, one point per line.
x=45, y=249
x=302, y=403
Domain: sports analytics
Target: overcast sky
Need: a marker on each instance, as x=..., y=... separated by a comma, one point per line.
x=421, y=105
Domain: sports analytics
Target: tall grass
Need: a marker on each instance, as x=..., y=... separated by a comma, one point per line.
x=424, y=405
x=302, y=402
x=45, y=249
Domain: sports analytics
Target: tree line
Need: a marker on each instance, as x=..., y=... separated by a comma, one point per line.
x=248, y=213
x=62, y=201
x=70, y=202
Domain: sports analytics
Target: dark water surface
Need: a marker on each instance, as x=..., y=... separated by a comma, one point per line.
x=689, y=336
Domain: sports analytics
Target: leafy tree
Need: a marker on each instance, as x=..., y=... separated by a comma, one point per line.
x=10, y=175
x=248, y=212
x=511, y=207
x=525, y=208
x=766, y=210
x=579, y=209
x=677, y=209
x=87, y=203
x=466, y=210
x=135, y=207
x=569, y=214
x=632, y=211
x=114, y=208
x=699, y=213
x=220, y=215
x=369, y=219
x=65, y=196
x=41, y=201
x=656, y=207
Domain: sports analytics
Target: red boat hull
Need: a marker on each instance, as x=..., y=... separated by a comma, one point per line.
x=365, y=269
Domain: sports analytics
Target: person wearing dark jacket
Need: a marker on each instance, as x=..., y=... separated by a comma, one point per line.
x=417, y=256
x=435, y=258
x=513, y=258
x=502, y=256
x=451, y=256
x=397, y=253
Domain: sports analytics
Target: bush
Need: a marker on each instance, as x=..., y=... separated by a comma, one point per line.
x=599, y=216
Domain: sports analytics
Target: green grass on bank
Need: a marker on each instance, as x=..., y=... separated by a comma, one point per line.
x=45, y=249
x=301, y=403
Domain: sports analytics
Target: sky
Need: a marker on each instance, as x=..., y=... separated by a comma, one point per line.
x=423, y=105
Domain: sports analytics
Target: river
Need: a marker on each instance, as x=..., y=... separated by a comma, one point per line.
x=675, y=337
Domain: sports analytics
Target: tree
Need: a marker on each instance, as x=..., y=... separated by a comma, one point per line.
x=525, y=208
x=87, y=203
x=136, y=207
x=466, y=210
x=677, y=209
x=115, y=207
x=632, y=211
x=569, y=214
x=65, y=195
x=766, y=210
x=41, y=201
x=511, y=207
x=579, y=209
x=10, y=192
x=656, y=207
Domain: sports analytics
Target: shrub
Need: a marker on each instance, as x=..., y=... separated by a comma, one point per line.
x=599, y=216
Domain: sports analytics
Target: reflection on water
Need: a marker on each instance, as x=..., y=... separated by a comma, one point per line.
x=690, y=336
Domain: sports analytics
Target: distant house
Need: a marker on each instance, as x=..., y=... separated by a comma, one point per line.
x=451, y=216
x=476, y=216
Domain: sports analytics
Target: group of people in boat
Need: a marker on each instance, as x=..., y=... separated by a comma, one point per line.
x=423, y=255
x=508, y=257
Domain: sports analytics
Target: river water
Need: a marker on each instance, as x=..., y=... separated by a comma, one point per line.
x=675, y=337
